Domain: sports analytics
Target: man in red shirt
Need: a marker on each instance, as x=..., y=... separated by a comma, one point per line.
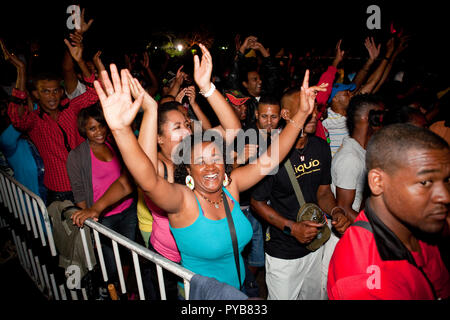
x=53, y=125
x=390, y=252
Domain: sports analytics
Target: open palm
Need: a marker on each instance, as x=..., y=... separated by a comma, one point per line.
x=118, y=108
x=372, y=48
x=203, y=69
x=136, y=89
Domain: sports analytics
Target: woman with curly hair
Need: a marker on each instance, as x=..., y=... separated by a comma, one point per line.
x=197, y=210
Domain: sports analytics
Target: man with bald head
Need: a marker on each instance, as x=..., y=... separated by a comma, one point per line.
x=293, y=272
x=390, y=252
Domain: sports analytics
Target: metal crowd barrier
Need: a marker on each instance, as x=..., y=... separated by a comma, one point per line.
x=32, y=235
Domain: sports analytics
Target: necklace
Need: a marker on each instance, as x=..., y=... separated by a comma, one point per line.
x=301, y=152
x=216, y=204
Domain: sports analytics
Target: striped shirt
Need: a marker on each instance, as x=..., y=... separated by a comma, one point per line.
x=337, y=128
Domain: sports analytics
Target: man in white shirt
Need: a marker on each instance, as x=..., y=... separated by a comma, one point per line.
x=348, y=169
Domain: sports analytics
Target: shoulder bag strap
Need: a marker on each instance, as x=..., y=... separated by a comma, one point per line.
x=66, y=140
x=165, y=170
x=294, y=182
x=233, y=237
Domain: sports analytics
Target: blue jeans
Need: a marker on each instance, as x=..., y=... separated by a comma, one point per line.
x=255, y=256
x=124, y=223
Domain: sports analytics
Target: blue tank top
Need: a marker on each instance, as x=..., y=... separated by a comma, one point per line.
x=206, y=248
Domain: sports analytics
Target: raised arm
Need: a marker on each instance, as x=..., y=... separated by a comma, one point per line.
x=153, y=87
x=401, y=46
x=68, y=70
x=329, y=75
x=76, y=51
x=149, y=126
x=233, y=80
x=176, y=84
x=98, y=64
x=256, y=45
x=18, y=64
x=248, y=175
x=229, y=122
x=373, y=51
x=376, y=75
x=17, y=108
x=190, y=93
x=120, y=111
x=269, y=70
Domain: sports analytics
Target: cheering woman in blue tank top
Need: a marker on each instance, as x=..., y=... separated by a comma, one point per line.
x=196, y=208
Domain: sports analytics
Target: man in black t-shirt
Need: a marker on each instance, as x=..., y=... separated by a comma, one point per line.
x=292, y=271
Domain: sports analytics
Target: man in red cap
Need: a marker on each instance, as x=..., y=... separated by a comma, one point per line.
x=238, y=101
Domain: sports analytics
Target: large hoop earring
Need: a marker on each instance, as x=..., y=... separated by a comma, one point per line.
x=226, y=181
x=190, y=182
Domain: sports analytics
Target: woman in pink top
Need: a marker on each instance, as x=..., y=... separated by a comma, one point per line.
x=100, y=183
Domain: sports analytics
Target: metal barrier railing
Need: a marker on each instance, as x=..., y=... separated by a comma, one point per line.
x=29, y=210
x=31, y=218
x=137, y=250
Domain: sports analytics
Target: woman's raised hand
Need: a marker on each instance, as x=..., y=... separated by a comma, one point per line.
x=118, y=108
x=203, y=69
x=148, y=103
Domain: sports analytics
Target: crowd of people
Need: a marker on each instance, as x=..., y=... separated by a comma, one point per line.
x=332, y=182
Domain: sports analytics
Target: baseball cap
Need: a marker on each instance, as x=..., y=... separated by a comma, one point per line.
x=340, y=87
x=235, y=97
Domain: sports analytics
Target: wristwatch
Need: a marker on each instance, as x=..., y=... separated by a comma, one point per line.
x=287, y=230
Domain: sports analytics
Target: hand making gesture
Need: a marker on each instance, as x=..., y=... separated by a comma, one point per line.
x=247, y=44
x=308, y=95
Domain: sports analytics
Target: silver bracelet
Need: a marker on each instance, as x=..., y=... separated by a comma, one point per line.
x=208, y=93
x=295, y=124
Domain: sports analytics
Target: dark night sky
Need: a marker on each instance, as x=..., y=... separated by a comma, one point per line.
x=295, y=24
